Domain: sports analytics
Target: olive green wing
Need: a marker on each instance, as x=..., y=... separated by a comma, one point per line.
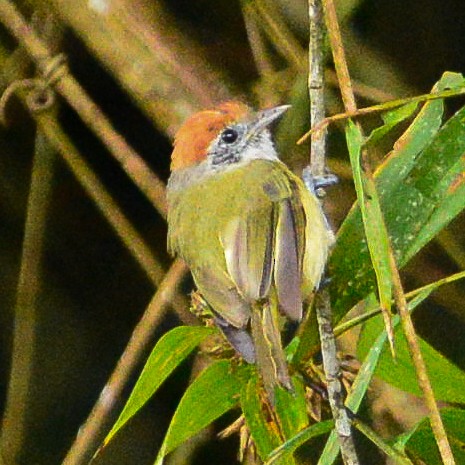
x=221, y=293
x=247, y=242
x=263, y=246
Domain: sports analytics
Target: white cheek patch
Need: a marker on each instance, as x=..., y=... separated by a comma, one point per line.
x=264, y=151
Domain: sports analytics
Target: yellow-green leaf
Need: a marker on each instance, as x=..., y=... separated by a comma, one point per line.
x=373, y=222
x=215, y=391
x=167, y=354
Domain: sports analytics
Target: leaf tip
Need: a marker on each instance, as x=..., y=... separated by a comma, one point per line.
x=389, y=330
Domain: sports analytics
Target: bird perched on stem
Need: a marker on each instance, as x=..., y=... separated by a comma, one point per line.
x=254, y=237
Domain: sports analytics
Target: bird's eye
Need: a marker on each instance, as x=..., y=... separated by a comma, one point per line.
x=229, y=136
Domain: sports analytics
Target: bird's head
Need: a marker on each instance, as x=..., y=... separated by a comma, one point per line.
x=226, y=135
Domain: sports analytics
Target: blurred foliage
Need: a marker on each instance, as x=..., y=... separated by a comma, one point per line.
x=149, y=64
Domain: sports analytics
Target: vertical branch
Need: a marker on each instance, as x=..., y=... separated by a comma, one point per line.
x=322, y=302
x=316, y=86
x=336, y=394
x=16, y=419
x=399, y=295
x=14, y=428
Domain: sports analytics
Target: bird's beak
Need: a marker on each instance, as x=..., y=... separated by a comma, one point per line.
x=265, y=117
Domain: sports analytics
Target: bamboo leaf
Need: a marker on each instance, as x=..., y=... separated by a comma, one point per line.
x=417, y=197
x=447, y=379
x=291, y=409
x=391, y=119
x=215, y=391
x=422, y=444
x=167, y=354
x=265, y=437
x=284, y=451
x=373, y=222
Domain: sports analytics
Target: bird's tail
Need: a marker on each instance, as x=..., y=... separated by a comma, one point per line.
x=270, y=357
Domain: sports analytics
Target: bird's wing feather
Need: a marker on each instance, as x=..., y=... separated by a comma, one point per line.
x=288, y=264
x=289, y=242
x=263, y=246
x=239, y=338
x=221, y=293
x=247, y=243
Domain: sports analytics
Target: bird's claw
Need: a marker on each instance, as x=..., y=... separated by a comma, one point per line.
x=317, y=184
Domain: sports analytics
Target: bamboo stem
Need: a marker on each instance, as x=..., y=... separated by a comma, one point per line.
x=15, y=427
x=134, y=166
x=110, y=210
x=399, y=295
x=332, y=368
x=323, y=302
x=316, y=84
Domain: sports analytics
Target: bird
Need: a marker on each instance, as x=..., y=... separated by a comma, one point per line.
x=254, y=237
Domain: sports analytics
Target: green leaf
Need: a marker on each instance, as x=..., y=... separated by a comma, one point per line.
x=167, y=354
x=420, y=190
x=391, y=119
x=373, y=222
x=291, y=409
x=215, y=391
x=265, y=437
x=307, y=338
x=446, y=378
x=285, y=451
x=396, y=455
x=438, y=178
x=422, y=444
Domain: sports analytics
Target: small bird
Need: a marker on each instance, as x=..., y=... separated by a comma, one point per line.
x=254, y=237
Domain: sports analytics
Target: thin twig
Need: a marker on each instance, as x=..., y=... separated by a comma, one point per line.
x=380, y=107
x=134, y=166
x=323, y=302
x=331, y=365
x=102, y=199
x=92, y=432
x=316, y=83
x=399, y=295
x=14, y=431
x=110, y=210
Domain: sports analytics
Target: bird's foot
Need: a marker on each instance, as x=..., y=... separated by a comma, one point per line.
x=317, y=184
